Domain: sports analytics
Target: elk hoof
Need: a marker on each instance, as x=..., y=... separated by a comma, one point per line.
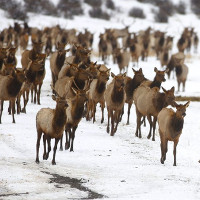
x=174, y=164
x=162, y=161
x=37, y=161
x=149, y=136
x=53, y=162
x=66, y=146
x=153, y=139
x=61, y=148
x=108, y=130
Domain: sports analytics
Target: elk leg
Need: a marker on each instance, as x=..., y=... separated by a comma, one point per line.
x=67, y=143
x=44, y=143
x=9, y=108
x=13, y=110
x=163, y=146
x=93, y=111
x=183, y=86
x=175, y=145
x=35, y=93
x=108, y=125
x=121, y=114
x=154, y=128
x=38, y=94
x=18, y=104
x=61, y=141
x=129, y=109
x=54, y=151
x=112, y=123
x=138, y=127
x=102, y=112
x=117, y=117
x=150, y=123
x=32, y=94
x=49, y=146
x=1, y=109
x=179, y=85
x=72, y=138
x=39, y=134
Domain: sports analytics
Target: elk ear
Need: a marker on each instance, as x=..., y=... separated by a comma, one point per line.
x=187, y=104
x=54, y=97
x=140, y=70
x=74, y=90
x=155, y=69
x=108, y=70
x=112, y=74
x=124, y=74
x=172, y=89
x=133, y=70
x=164, y=90
x=167, y=70
x=67, y=50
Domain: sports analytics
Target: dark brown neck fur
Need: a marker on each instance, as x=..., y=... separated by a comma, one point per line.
x=117, y=96
x=60, y=60
x=100, y=87
x=177, y=125
x=155, y=83
x=159, y=101
x=59, y=119
x=14, y=87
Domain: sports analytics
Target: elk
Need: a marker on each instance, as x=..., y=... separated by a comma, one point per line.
x=123, y=59
x=175, y=60
x=39, y=77
x=136, y=51
x=10, y=86
x=196, y=42
x=181, y=75
x=51, y=123
x=68, y=70
x=56, y=62
x=115, y=98
x=164, y=57
x=105, y=47
x=74, y=115
x=130, y=85
x=158, y=79
x=96, y=94
x=170, y=128
x=64, y=85
x=3, y=54
x=31, y=71
x=32, y=54
x=10, y=62
x=159, y=42
x=149, y=102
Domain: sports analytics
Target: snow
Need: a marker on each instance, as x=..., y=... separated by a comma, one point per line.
x=119, y=167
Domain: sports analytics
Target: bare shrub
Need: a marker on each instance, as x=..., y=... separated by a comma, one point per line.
x=70, y=8
x=97, y=12
x=14, y=9
x=40, y=6
x=180, y=8
x=137, y=12
x=110, y=4
x=195, y=6
x=161, y=16
x=94, y=3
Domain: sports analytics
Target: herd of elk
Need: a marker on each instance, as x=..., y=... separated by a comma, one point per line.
x=79, y=84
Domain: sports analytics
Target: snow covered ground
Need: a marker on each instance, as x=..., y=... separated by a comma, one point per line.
x=101, y=166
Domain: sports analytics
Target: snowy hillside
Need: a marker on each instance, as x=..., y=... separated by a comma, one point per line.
x=101, y=166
